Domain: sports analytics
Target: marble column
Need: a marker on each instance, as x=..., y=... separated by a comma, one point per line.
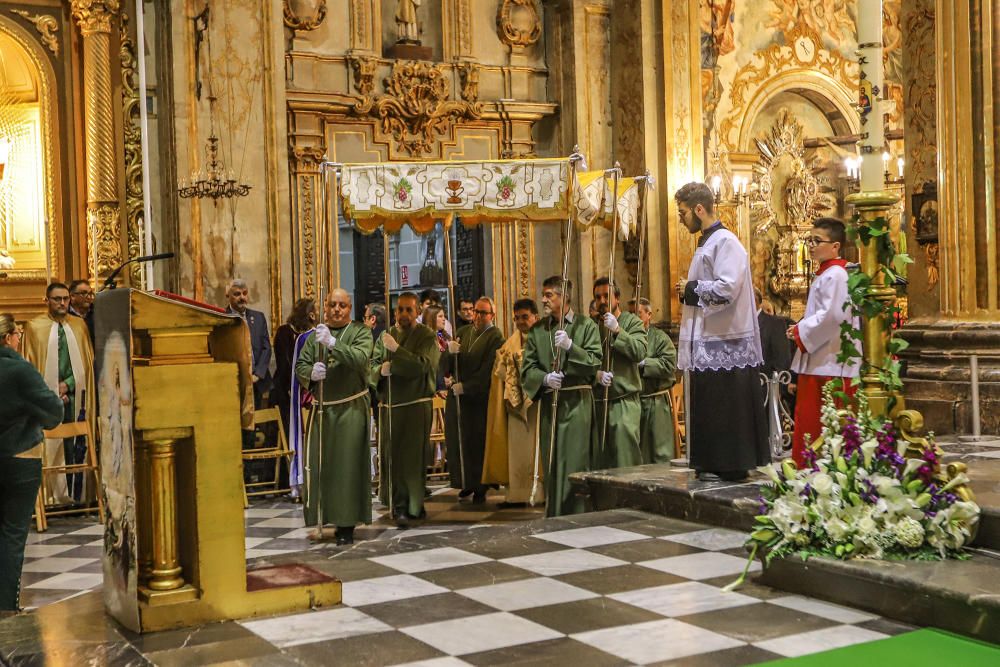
x=938, y=376
x=104, y=234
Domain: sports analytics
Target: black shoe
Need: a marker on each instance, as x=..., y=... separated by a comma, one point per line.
x=733, y=476
x=402, y=520
x=506, y=505
x=479, y=499
x=344, y=535
x=708, y=477
x=465, y=493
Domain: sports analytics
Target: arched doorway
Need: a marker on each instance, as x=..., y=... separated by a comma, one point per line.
x=30, y=250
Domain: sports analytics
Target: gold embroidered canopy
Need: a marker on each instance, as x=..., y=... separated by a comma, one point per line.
x=419, y=194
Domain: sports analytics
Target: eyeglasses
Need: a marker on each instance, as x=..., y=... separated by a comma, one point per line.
x=814, y=241
x=88, y=295
x=59, y=299
x=484, y=312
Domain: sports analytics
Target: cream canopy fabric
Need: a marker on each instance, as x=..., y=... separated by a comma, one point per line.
x=391, y=194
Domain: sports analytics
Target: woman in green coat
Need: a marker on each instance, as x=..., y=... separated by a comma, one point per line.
x=27, y=406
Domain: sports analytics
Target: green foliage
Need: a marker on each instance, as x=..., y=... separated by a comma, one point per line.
x=862, y=304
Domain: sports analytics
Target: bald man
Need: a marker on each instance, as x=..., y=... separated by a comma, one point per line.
x=334, y=364
x=403, y=371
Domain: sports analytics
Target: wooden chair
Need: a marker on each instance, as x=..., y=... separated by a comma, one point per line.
x=438, y=469
x=276, y=453
x=680, y=434
x=89, y=468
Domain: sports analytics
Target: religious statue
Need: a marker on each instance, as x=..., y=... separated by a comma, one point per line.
x=406, y=21
x=6, y=261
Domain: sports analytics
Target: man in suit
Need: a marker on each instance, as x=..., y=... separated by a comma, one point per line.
x=773, y=342
x=260, y=338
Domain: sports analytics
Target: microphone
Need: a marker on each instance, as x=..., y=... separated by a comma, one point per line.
x=109, y=283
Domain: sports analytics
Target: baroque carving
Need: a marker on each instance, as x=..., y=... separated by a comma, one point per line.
x=518, y=23
x=801, y=50
x=789, y=195
x=468, y=74
x=308, y=157
x=415, y=108
x=306, y=223
x=297, y=22
x=920, y=93
x=931, y=255
x=104, y=244
x=47, y=27
x=134, y=212
x=94, y=15
x=364, y=68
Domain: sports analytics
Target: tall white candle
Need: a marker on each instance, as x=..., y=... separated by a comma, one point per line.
x=872, y=134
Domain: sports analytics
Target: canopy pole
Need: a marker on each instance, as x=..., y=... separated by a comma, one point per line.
x=646, y=184
x=575, y=160
x=385, y=455
x=616, y=173
x=454, y=311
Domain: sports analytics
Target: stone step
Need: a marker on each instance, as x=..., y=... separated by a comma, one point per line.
x=961, y=596
x=663, y=489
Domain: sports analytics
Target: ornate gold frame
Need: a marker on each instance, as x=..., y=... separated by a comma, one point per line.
x=49, y=106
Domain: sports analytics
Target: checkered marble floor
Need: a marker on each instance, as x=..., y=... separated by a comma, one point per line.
x=65, y=561
x=607, y=588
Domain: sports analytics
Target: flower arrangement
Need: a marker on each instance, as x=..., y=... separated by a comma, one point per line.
x=862, y=496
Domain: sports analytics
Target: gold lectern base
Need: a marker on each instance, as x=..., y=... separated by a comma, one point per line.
x=168, y=610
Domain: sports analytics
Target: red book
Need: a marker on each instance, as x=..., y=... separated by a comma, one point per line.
x=190, y=302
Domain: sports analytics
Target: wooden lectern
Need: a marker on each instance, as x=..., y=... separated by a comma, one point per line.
x=174, y=390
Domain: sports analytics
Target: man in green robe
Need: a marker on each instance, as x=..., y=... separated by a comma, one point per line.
x=617, y=385
x=338, y=473
x=561, y=356
x=659, y=374
x=471, y=355
x=403, y=372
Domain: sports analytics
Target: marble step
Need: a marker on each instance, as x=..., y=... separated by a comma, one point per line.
x=674, y=492
x=959, y=596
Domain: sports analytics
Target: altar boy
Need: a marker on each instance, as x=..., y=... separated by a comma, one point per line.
x=817, y=335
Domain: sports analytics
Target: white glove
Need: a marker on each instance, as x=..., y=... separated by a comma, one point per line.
x=605, y=378
x=389, y=342
x=562, y=340
x=554, y=380
x=318, y=372
x=386, y=369
x=457, y=389
x=642, y=364
x=324, y=337
x=454, y=347
x=611, y=322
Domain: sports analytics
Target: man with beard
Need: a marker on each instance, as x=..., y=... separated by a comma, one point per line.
x=719, y=347
x=561, y=358
x=510, y=427
x=473, y=352
x=403, y=371
x=338, y=478
x=618, y=413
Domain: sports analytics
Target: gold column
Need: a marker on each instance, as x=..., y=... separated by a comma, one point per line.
x=166, y=572
x=104, y=244
x=967, y=159
x=143, y=491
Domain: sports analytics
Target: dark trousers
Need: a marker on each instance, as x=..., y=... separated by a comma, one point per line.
x=19, y=484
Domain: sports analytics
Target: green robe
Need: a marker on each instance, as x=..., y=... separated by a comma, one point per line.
x=342, y=480
x=575, y=412
x=405, y=438
x=618, y=446
x=659, y=374
x=475, y=372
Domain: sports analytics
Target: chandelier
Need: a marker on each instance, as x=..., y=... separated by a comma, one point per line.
x=217, y=183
